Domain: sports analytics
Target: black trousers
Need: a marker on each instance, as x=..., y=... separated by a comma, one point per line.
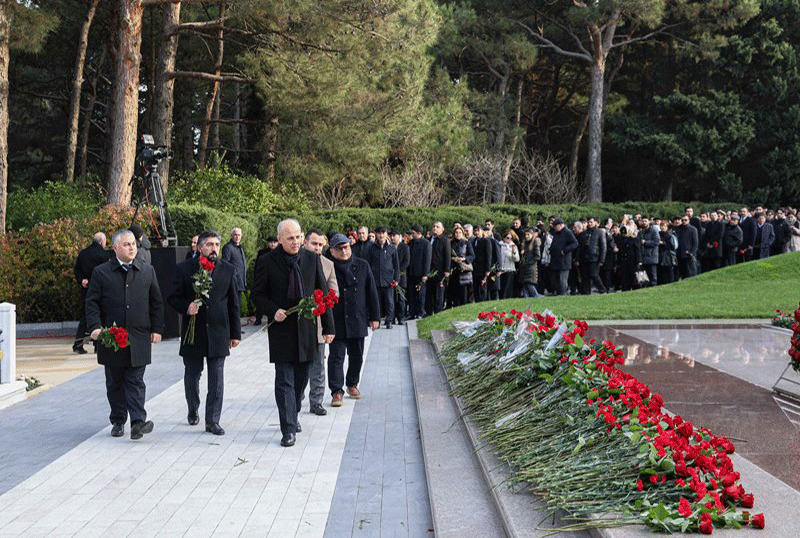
x=216, y=385
x=83, y=329
x=434, y=298
x=416, y=297
x=400, y=304
x=479, y=288
x=652, y=273
x=125, y=390
x=590, y=274
x=291, y=379
x=386, y=296
x=355, y=359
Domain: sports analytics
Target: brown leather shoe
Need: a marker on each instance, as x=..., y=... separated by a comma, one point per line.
x=354, y=393
x=337, y=400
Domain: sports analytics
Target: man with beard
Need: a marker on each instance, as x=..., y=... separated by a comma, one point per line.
x=357, y=309
x=290, y=273
x=217, y=327
x=124, y=292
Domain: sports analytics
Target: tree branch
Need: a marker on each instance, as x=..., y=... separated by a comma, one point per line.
x=227, y=77
x=549, y=44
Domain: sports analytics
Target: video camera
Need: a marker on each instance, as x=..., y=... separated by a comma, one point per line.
x=149, y=153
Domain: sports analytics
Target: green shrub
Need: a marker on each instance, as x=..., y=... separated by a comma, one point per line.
x=53, y=200
x=225, y=190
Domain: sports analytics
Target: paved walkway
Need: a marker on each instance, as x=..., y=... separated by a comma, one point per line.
x=356, y=471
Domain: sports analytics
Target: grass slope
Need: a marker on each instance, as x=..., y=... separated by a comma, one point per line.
x=748, y=290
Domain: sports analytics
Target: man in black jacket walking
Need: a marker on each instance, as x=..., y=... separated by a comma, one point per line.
x=124, y=292
x=88, y=258
x=217, y=327
x=357, y=309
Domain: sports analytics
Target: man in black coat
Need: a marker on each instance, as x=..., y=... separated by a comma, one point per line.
x=420, y=253
x=593, y=255
x=687, y=246
x=362, y=245
x=561, y=248
x=124, y=291
x=748, y=225
x=440, y=262
x=88, y=258
x=482, y=266
x=272, y=244
x=357, y=309
x=288, y=274
x=404, y=259
x=217, y=327
x=731, y=240
x=764, y=237
x=382, y=258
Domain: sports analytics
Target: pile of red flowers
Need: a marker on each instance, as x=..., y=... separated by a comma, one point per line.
x=686, y=479
x=794, y=350
x=113, y=337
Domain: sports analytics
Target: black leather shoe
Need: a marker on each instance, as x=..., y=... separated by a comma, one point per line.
x=287, y=440
x=298, y=429
x=117, y=430
x=401, y=322
x=257, y=322
x=317, y=409
x=215, y=428
x=138, y=429
x=79, y=350
x=388, y=325
x=193, y=418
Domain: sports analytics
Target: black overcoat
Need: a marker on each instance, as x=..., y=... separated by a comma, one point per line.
x=404, y=259
x=295, y=338
x=130, y=299
x=420, y=254
x=88, y=259
x=561, y=248
x=440, y=256
x=359, y=303
x=217, y=320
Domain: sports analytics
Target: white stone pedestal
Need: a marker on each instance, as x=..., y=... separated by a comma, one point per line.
x=11, y=390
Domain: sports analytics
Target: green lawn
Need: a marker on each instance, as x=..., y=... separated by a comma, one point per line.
x=749, y=290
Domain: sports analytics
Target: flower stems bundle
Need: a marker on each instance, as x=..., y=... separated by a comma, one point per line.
x=586, y=436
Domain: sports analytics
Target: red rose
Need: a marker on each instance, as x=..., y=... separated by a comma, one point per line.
x=206, y=264
x=758, y=521
x=747, y=500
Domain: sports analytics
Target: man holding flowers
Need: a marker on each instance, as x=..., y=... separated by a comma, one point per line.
x=288, y=274
x=124, y=292
x=204, y=291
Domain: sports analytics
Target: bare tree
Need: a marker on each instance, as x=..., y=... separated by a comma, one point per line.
x=337, y=194
x=541, y=179
x=418, y=185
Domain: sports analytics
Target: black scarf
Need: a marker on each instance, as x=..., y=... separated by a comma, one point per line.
x=342, y=268
x=294, y=289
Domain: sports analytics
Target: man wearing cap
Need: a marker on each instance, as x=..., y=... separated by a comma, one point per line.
x=732, y=239
x=420, y=254
x=563, y=245
x=404, y=259
x=357, y=309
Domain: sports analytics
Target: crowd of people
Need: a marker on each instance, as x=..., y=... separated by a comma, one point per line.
x=379, y=276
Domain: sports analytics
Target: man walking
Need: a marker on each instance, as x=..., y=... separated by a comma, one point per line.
x=124, y=292
x=315, y=242
x=217, y=327
x=404, y=259
x=358, y=308
x=88, y=258
x=440, y=262
x=288, y=274
x=382, y=258
x=418, y=269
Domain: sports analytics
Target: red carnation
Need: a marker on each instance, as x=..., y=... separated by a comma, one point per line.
x=758, y=521
x=684, y=508
x=206, y=264
x=639, y=485
x=318, y=295
x=706, y=523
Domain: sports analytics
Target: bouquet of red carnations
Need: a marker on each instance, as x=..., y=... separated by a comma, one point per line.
x=313, y=306
x=201, y=283
x=113, y=337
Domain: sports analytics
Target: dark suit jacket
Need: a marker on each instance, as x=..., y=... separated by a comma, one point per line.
x=483, y=258
x=88, y=259
x=440, y=256
x=358, y=303
x=217, y=320
x=295, y=338
x=420, y=254
x=131, y=300
x=384, y=262
x=404, y=259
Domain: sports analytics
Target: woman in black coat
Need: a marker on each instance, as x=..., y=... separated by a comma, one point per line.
x=629, y=256
x=463, y=254
x=529, y=256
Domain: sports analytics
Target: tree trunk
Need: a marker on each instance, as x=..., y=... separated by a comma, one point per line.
x=237, y=127
x=75, y=98
x=88, y=111
x=125, y=102
x=576, y=147
x=503, y=187
x=594, y=178
x=163, y=92
x=213, y=90
x=5, y=35
x=269, y=145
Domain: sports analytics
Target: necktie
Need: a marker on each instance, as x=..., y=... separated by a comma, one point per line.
x=126, y=266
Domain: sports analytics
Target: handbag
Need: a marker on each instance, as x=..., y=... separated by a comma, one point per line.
x=641, y=277
x=465, y=267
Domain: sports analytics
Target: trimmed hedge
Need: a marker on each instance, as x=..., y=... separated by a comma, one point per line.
x=37, y=267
